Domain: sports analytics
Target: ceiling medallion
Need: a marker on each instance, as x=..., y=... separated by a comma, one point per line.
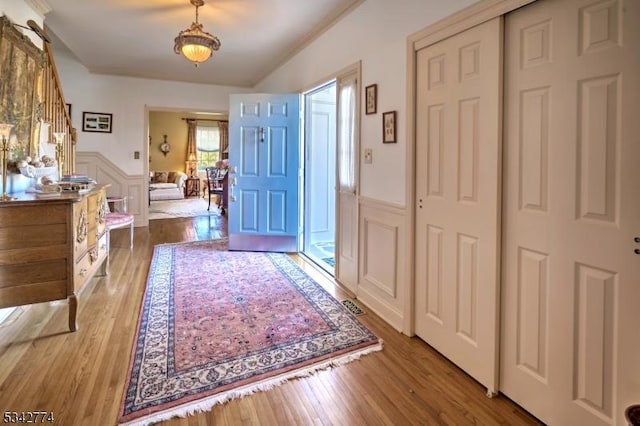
x=194, y=43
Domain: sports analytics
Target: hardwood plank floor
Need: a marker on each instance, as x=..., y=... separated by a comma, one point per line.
x=80, y=376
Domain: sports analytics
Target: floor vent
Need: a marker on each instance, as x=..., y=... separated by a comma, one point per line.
x=353, y=307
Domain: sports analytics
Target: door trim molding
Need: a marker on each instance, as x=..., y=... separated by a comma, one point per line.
x=463, y=20
x=471, y=16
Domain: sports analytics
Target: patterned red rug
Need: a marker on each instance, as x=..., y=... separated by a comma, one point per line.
x=216, y=325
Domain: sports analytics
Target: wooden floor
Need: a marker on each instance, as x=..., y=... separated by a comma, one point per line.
x=80, y=376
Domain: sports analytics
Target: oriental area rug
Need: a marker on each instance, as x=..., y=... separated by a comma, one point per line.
x=216, y=325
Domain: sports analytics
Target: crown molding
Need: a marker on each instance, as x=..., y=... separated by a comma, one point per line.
x=41, y=7
x=314, y=34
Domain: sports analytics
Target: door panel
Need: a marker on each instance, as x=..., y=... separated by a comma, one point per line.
x=570, y=349
x=457, y=213
x=263, y=156
x=348, y=153
x=320, y=176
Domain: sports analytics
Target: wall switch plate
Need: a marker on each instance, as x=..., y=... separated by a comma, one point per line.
x=368, y=156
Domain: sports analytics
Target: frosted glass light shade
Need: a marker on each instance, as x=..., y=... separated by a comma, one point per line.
x=5, y=130
x=196, y=53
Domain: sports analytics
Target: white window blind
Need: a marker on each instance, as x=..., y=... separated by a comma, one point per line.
x=208, y=138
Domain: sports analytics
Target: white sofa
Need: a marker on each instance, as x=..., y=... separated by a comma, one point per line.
x=164, y=185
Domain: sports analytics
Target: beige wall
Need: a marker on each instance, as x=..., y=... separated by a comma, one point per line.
x=170, y=124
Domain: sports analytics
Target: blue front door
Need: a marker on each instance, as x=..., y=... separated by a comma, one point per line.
x=263, y=177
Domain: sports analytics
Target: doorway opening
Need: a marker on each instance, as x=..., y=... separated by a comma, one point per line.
x=319, y=199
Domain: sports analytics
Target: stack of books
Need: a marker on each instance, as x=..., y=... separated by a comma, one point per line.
x=48, y=191
x=76, y=182
x=76, y=178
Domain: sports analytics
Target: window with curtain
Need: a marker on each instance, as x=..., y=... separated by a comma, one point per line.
x=346, y=136
x=208, y=146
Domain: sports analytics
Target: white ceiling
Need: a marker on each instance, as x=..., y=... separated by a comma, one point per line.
x=135, y=37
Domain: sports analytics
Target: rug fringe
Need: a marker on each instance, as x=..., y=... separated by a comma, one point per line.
x=207, y=404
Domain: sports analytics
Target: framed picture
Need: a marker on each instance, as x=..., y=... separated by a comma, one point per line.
x=389, y=127
x=68, y=109
x=99, y=122
x=371, y=97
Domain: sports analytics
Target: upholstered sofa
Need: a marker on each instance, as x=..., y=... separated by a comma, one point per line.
x=165, y=185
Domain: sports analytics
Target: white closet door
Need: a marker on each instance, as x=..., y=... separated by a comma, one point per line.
x=458, y=134
x=570, y=349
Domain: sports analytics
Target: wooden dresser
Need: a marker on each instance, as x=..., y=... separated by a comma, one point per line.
x=50, y=248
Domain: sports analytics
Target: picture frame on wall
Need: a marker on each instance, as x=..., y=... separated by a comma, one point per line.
x=99, y=122
x=389, y=127
x=68, y=106
x=371, y=99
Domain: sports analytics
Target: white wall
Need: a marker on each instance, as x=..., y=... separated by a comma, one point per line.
x=126, y=98
x=376, y=33
x=19, y=13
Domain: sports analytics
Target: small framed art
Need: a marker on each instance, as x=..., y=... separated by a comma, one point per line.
x=371, y=98
x=389, y=127
x=99, y=122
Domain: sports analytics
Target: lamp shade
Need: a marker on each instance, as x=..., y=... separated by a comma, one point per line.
x=59, y=136
x=5, y=130
x=196, y=52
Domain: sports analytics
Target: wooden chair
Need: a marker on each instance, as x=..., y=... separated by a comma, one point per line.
x=217, y=179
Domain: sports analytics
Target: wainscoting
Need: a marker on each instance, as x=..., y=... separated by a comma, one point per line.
x=383, y=277
x=134, y=187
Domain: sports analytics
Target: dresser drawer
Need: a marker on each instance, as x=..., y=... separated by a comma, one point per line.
x=87, y=266
x=25, y=294
x=81, y=272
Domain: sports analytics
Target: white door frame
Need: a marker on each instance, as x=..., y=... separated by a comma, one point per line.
x=351, y=69
x=306, y=172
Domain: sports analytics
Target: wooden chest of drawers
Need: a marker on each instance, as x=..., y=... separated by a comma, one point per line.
x=50, y=248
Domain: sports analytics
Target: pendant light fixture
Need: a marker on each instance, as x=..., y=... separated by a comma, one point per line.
x=194, y=43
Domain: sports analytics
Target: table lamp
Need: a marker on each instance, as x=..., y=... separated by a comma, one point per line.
x=59, y=137
x=5, y=132
x=192, y=163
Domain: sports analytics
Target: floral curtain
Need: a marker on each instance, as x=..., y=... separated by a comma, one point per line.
x=192, y=150
x=223, y=126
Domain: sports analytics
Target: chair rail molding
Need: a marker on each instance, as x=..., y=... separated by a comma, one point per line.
x=134, y=187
